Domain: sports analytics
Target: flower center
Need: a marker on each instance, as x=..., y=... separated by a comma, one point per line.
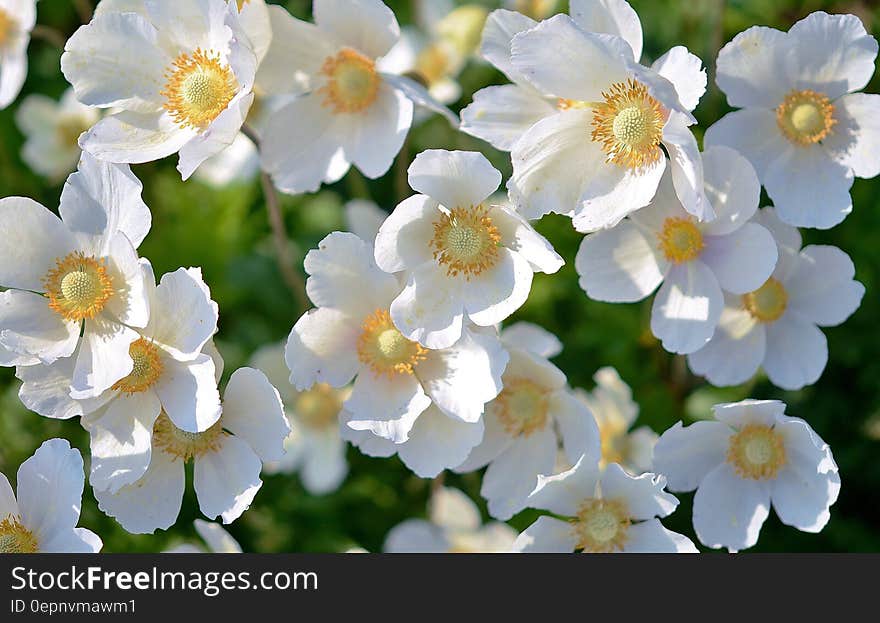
x=680, y=239
x=182, y=444
x=466, y=241
x=147, y=370
x=8, y=26
x=78, y=287
x=15, y=538
x=382, y=347
x=433, y=63
x=536, y=9
x=318, y=407
x=198, y=88
x=767, y=303
x=629, y=125
x=614, y=443
x=756, y=452
x=601, y=526
x=352, y=82
x=523, y=406
x=69, y=130
x=805, y=117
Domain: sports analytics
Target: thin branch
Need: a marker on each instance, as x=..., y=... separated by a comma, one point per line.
x=52, y=36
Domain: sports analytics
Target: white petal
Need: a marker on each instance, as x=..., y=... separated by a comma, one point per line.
x=33, y=238
x=732, y=188
x=322, y=348
x=496, y=440
x=15, y=66
x=325, y=467
x=103, y=357
x=532, y=338
x=520, y=237
x=821, y=287
x=500, y=115
x=366, y=25
x=797, y=352
x=135, y=137
x=28, y=327
x=426, y=100
x=643, y=495
x=687, y=167
x=686, y=455
x=378, y=398
x=227, y=480
x=404, y=239
x=687, y=308
x=750, y=411
x=219, y=540
x=189, y=394
x=685, y=71
x=437, y=442
x=577, y=427
x=183, y=317
x=50, y=486
x=429, y=310
x=45, y=389
x=734, y=353
x=728, y=510
x=547, y=535
x=527, y=365
x=564, y=493
x=364, y=218
x=130, y=304
x=500, y=28
x=742, y=260
x=219, y=135
x=416, y=536
x=252, y=411
x=753, y=133
x=619, y=264
x=855, y=139
x=454, y=178
x=615, y=17
x=788, y=241
x=751, y=68
x=499, y=291
x=75, y=541
x=513, y=475
x=8, y=504
x=650, y=537
x=453, y=510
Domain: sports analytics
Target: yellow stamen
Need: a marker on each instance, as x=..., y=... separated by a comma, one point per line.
x=382, y=347
x=318, y=407
x=78, y=287
x=805, y=117
x=680, y=239
x=466, y=241
x=756, y=452
x=601, y=526
x=198, y=89
x=147, y=370
x=352, y=82
x=629, y=125
x=15, y=538
x=767, y=303
x=8, y=26
x=522, y=406
x=566, y=104
x=241, y=4
x=184, y=445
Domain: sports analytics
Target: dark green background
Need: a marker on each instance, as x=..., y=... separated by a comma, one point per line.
x=226, y=233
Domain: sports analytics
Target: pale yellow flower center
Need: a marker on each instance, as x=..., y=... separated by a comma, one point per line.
x=523, y=405
x=466, y=241
x=433, y=63
x=805, y=117
x=615, y=443
x=756, y=452
x=382, y=347
x=680, y=239
x=536, y=9
x=628, y=125
x=318, y=407
x=15, y=538
x=352, y=82
x=147, y=370
x=767, y=303
x=185, y=445
x=78, y=287
x=69, y=129
x=199, y=87
x=8, y=25
x=601, y=526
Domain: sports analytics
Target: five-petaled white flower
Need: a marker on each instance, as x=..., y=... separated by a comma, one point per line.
x=44, y=517
x=602, y=512
x=76, y=287
x=215, y=536
x=751, y=455
x=776, y=326
x=463, y=257
x=347, y=110
x=454, y=527
x=17, y=19
x=693, y=260
x=802, y=124
x=228, y=458
x=526, y=423
x=351, y=333
x=181, y=74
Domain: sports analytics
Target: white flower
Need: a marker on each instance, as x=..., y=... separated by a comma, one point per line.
x=777, y=325
x=464, y=258
x=526, y=423
x=802, y=124
x=52, y=131
x=363, y=218
x=228, y=458
x=17, y=19
x=348, y=111
x=314, y=447
x=604, y=511
x=173, y=373
x=751, y=456
x=398, y=380
x=218, y=540
x=44, y=517
x=615, y=411
x=454, y=526
x=76, y=287
x=693, y=260
x=238, y=163
x=569, y=81
x=535, y=9
x=181, y=73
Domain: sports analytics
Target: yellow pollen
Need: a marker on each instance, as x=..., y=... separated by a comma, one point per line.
x=198, y=88
x=522, y=406
x=566, y=104
x=382, y=347
x=15, y=538
x=601, y=526
x=318, y=407
x=78, y=287
x=147, y=370
x=8, y=25
x=756, y=452
x=241, y=4
x=805, y=117
x=466, y=241
x=629, y=125
x=184, y=445
x=680, y=240
x=352, y=82
x=767, y=303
